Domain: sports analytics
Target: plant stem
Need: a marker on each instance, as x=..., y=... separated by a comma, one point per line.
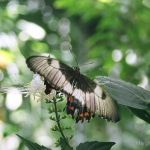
x=58, y=121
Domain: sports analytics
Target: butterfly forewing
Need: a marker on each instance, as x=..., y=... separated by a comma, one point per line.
x=49, y=68
x=70, y=81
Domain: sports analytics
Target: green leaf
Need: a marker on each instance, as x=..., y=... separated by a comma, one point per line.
x=69, y=128
x=60, y=98
x=67, y=138
x=51, y=110
x=72, y=135
x=126, y=93
x=58, y=116
x=60, y=110
x=64, y=145
x=48, y=101
x=95, y=145
x=64, y=117
x=55, y=128
x=52, y=118
x=31, y=145
x=135, y=98
x=142, y=114
x=62, y=127
x=57, y=143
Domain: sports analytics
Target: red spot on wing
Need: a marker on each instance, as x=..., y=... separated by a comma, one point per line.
x=72, y=108
x=86, y=114
x=70, y=99
x=81, y=115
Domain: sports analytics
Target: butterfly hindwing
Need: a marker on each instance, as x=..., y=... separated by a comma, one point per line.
x=96, y=99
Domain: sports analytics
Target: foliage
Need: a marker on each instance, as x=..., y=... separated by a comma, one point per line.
x=57, y=119
x=95, y=145
x=65, y=146
x=32, y=146
x=64, y=140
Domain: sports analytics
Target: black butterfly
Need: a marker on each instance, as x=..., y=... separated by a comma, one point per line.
x=83, y=93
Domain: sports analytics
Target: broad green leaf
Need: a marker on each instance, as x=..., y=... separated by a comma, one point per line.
x=126, y=93
x=95, y=145
x=142, y=114
x=31, y=145
x=64, y=145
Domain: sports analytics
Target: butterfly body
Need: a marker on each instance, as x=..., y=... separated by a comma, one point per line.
x=82, y=92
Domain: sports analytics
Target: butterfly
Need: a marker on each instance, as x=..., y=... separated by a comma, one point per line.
x=84, y=96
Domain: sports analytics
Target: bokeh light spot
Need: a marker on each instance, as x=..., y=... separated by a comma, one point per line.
x=131, y=58
x=117, y=55
x=65, y=46
x=105, y=1
x=144, y=82
x=65, y=38
x=18, y=116
x=46, y=11
x=52, y=39
x=10, y=143
x=5, y=58
x=53, y=25
x=45, y=140
x=34, y=30
x=23, y=36
x=13, y=99
x=64, y=26
x=12, y=69
x=12, y=8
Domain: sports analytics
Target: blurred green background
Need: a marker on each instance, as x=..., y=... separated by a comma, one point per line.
x=113, y=34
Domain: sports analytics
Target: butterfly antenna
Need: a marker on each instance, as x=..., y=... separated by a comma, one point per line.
x=74, y=56
x=86, y=64
x=103, y=74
